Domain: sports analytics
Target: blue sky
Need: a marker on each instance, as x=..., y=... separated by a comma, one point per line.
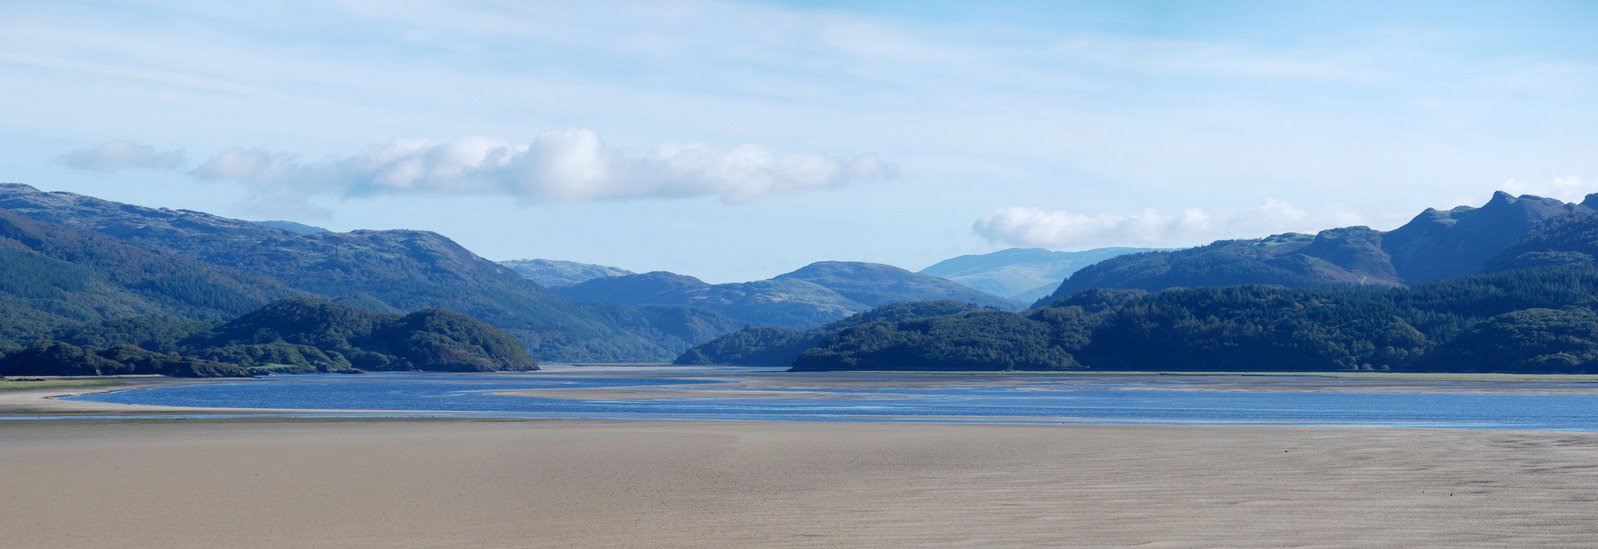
x=737, y=140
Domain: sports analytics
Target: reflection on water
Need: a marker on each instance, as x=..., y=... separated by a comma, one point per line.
x=725, y=394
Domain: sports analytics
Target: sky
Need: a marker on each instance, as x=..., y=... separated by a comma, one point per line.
x=739, y=140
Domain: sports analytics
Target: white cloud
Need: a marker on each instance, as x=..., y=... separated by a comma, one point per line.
x=1056, y=229
x=121, y=155
x=556, y=166
x=1568, y=188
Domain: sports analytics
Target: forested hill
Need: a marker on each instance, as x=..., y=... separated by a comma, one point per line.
x=380, y=270
x=775, y=346
x=1527, y=321
x=289, y=336
x=1570, y=241
x=1435, y=245
x=52, y=275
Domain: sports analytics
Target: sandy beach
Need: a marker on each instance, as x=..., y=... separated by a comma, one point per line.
x=647, y=484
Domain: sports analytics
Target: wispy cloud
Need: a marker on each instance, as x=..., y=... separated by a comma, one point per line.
x=556, y=166
x=114, y=156
x=1056, y=229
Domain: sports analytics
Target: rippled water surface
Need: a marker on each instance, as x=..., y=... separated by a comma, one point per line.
x=764, y=395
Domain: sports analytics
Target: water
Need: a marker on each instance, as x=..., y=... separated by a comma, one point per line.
x=706, y=394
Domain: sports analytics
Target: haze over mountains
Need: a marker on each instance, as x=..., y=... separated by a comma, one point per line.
x=551, y=273
x=1021, y=274
x=810, y=296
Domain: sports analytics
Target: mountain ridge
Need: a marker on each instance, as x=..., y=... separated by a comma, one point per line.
x=816, y=294
x=551, y=273
x=1434, y=245
x=400, y=270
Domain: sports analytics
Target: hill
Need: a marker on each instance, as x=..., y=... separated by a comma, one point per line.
x=1460, y=242
x=875, y=285
x=772, y=346
x=1526, y=321
x=811, y=296
x=1569, y=241
x=287, y=336
x=550, y=273
x=1020, y=274
x=1433, y=246
x=786, y=303
x=52, y=275
x=382, y=270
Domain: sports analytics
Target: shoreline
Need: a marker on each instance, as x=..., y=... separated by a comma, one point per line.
x=351, y=479
x=47, y=400
x=758, y=384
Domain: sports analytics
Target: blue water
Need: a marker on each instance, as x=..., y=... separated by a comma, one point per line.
x=1011, y=400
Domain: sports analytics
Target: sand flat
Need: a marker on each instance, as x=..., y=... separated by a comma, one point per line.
x=649, y=484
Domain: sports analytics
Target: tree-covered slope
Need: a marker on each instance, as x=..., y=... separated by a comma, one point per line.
x=52, y=275
x=1537, y=321
x=774, y=346
x=1433, y=246
x=430, y=339
x=287, y=336
x=1569, y=241
x=672, y=326
x=54, y=358
x=383, y=270
x=1459, y=242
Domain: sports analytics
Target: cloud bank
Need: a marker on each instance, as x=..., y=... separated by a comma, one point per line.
x=556, y=166
x=1035, y=227
x=114, y=156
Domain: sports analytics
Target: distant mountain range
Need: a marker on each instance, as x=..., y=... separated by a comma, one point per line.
x=550, y=273
x=384, y=271
x=1021, y=274
x=1435, y=245
x=1508, y=287
x=119, y=288
x=810, y=296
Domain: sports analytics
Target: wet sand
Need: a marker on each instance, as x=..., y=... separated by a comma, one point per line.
x=45, y=401
x=649, y=484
